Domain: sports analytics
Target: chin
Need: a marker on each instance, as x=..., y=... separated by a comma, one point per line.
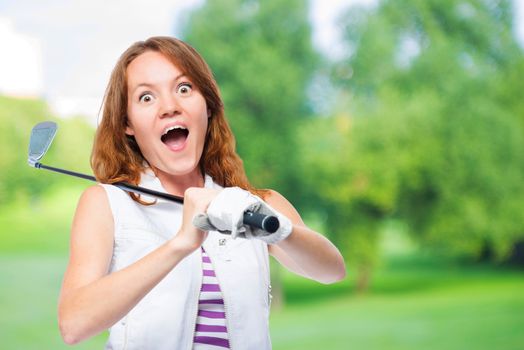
x=181, y=168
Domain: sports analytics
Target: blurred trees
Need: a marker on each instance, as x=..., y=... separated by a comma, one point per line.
x=262, y=57
x=71, y=149
x=434, y=132
x=17, y=117
x=425, y=124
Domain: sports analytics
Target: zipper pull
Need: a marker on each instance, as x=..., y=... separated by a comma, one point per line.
x=222, y=249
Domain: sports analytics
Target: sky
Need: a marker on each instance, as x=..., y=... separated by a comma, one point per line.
x=64, y=51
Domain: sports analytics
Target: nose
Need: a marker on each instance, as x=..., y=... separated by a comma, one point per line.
x=169, y=107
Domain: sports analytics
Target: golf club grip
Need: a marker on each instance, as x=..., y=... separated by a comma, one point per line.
x=267, y=223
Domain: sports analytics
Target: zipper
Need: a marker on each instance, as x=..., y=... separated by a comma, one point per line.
x=126, y=328
x=195, y=312
x=222, y=254
x=227, y=320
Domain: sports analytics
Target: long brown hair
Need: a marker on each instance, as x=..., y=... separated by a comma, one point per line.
x=116, y=156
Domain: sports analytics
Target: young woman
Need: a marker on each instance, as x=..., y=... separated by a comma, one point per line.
x=144, y=268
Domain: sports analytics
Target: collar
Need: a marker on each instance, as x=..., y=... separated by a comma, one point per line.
x=148, y=179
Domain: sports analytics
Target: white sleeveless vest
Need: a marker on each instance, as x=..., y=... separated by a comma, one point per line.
x=165, y=318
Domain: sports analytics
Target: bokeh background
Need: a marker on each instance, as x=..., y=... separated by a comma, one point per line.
x=395, y=127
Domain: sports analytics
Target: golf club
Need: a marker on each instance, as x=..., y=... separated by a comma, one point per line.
x=42, y=136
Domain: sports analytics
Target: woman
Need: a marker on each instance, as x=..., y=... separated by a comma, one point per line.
x=141, y=267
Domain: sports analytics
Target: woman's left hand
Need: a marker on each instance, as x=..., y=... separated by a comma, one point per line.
x=226, y=214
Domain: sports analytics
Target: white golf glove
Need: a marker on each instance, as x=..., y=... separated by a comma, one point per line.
x=226, y=212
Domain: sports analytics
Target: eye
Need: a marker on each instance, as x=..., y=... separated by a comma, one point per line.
x=146, y=97
x=184, y=89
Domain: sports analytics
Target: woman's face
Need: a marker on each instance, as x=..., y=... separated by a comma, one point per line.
x=167, y=115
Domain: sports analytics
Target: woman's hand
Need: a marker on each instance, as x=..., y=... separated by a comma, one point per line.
x=226, y=211
x=196, y=201
x=91, y=298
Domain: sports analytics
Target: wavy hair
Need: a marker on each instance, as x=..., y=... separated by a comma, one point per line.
x=116, y=156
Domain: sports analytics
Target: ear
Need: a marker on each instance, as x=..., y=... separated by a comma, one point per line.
x=129, y=128
x=208, y=113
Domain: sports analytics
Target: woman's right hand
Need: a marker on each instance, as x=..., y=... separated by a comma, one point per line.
x=196, y=201
x=91, y=298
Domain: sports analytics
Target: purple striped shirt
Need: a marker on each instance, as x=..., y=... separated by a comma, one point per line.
x=211, y=328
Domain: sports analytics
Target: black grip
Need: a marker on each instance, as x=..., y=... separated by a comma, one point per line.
x=265, y=222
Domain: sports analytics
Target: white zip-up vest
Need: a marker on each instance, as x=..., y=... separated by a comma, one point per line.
x=165, y=318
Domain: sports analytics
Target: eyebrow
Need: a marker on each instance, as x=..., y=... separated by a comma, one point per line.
x=149, y=85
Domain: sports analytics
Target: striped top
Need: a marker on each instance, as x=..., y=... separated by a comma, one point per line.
x=211, y=329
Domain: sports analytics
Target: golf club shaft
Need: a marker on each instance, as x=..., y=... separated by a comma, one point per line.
x=264, y=222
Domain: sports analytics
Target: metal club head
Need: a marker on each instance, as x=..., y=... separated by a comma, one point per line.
x=41, y=138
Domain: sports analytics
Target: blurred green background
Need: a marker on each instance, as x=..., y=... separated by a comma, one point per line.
x=407, y=151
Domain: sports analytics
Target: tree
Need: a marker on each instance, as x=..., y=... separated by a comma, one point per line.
x=73, y=143
x=262, y=57
x=434, y=135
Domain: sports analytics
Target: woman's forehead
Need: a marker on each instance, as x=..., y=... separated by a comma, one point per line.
x=151, y=68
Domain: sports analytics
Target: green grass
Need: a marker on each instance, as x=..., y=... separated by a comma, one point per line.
x=491, y=318
x=462, y=308
x=415, y=301
x=28, y=300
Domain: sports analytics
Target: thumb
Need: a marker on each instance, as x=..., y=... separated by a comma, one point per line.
x=237, y=225
x=234, y=231
x=202, y=222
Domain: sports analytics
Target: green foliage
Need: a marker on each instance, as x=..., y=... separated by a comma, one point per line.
x=17, y=117
x=71, y=149
x=400, y=42
x=39, y=224
x=262, y=57
x=435, y=135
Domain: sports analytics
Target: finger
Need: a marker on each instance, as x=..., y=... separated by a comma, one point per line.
x=202, y=222
x=234, y=232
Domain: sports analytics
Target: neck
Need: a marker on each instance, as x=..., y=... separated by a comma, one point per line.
x=178, y=184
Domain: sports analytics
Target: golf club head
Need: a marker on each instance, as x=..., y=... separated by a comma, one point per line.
x=41, y=138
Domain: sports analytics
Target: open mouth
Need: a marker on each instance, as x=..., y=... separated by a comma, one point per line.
x=175, y=137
